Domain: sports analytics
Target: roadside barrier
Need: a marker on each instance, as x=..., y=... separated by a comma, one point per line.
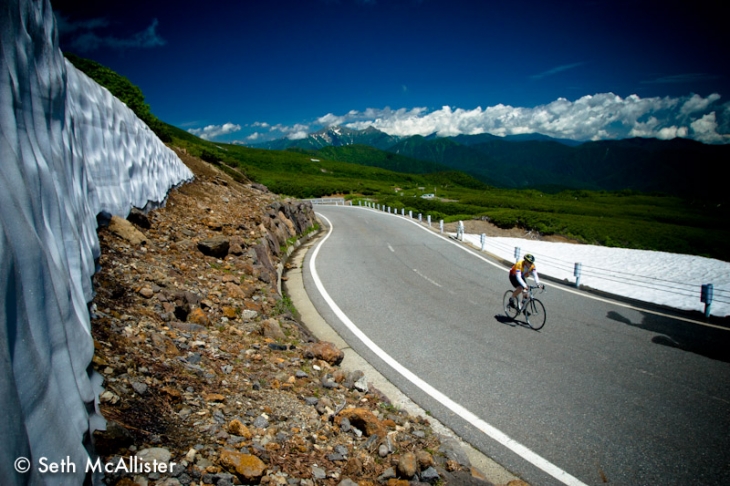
x=331, y=201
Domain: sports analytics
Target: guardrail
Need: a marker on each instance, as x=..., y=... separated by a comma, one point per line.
x=332, y=201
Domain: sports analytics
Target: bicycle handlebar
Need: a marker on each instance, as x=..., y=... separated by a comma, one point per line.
x=533, y=287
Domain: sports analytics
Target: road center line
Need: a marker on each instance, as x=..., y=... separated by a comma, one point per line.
x=458, y=409
x=427, y=279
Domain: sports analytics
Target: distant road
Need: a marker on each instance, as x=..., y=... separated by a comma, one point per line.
x=604, y=394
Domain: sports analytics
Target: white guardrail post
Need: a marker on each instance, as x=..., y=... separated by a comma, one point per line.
x=577, y=273
x=706, y=298
x=518, y=251
x=441, y=226
x=484, y=240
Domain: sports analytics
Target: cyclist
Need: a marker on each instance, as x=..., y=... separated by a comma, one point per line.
x=517, y=276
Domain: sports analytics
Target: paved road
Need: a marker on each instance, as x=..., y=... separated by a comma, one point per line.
x=603, y=394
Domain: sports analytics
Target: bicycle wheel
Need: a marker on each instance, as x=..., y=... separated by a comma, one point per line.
x=535, y=314
x=510, y=312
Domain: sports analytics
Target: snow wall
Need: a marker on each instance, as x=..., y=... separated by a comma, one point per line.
x=68, y=151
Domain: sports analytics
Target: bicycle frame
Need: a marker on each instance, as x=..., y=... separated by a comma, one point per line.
x=528, y=298
x=530, y=307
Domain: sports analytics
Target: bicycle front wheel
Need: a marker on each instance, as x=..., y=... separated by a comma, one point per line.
x=535, y=314
x=509, y=311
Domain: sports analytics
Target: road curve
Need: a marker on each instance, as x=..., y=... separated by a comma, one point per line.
x=603, y=394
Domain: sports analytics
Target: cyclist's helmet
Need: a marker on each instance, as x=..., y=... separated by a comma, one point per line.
x=529, y=258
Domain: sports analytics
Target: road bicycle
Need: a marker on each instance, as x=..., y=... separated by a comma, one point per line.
x=531, y=307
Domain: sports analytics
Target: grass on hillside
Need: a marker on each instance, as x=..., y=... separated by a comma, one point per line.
x=625, y=218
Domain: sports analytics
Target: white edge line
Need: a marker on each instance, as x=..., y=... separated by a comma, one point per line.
x=558, y=287
x=465, y=414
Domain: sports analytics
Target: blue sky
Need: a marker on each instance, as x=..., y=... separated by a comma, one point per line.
x=249, y=71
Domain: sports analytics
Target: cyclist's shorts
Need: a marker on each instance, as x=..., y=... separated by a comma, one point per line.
x=513, y=280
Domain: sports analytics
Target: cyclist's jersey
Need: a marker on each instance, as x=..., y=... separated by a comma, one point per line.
x=523, y=267
x=521, y=270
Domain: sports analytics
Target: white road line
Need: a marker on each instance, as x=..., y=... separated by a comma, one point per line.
x=426, y=278
x=465, y=414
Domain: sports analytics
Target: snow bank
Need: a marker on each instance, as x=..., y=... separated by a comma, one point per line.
x=667, y=279
x=68, y=150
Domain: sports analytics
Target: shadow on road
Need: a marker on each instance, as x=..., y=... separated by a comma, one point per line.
x=511, y=322
x=710, y=342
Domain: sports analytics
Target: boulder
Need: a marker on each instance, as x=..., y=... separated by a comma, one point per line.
x=249, y=467
x=198, y=316
x=325, y=351
x=363, y=419
x=139, y=218
x=271, y=329
x=126, y=230
x=216, y=247
x=407, y=465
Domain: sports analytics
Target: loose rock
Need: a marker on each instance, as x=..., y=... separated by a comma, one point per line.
x=248, y=467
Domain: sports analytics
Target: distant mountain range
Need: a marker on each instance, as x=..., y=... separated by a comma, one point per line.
x=679, y=166
x=335, y=136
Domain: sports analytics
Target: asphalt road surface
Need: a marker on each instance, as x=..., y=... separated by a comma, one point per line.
x=605, y=393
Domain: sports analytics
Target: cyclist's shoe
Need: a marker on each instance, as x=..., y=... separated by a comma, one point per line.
x=512, y=303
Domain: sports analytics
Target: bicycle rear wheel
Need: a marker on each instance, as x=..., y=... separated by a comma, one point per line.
x=535, y=314
x=509, y=311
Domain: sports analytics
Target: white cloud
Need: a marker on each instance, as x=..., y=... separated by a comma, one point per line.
x=292, y=132
x=330, y=119
x=592, y=117
x=697, y=103
x=705, y=130
x=213, y=131
x=284, y=129
x=297, y=135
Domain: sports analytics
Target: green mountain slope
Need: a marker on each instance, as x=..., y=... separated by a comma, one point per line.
x=373, y=157
x=681, y=167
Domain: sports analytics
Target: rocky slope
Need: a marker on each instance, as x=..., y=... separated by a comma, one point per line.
x=206, y=365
